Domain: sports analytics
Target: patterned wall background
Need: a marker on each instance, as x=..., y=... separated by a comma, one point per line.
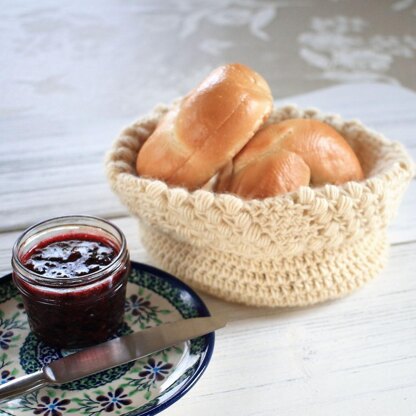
x=116, y=58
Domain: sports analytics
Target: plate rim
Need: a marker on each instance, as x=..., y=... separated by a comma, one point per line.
x=209, y=337
x=202, y=312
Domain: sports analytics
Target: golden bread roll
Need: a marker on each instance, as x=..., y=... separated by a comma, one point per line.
x=284, y=156
x=207, y=129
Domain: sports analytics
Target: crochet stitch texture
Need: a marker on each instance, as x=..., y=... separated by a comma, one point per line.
x=291, y=250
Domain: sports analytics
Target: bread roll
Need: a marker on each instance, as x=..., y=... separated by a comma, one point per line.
x=207, y=129
x=284, y=156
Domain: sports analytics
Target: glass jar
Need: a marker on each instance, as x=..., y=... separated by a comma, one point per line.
x=72, y=311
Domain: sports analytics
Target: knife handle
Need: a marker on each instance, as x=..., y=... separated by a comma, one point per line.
x=23, y=385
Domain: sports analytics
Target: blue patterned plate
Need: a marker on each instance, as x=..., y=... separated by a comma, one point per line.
x=144, y=387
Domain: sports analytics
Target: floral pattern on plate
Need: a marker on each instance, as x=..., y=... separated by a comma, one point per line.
x=146, y=385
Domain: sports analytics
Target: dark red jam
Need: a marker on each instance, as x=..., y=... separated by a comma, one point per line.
x=74, y=257
x=81, y=314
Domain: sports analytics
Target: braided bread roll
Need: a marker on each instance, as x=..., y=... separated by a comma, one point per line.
x=284, y=156
x=207, y=129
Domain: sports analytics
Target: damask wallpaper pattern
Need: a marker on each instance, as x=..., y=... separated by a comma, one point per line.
x=116, y=58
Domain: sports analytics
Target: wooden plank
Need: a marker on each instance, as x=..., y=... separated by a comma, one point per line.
x=61, y=175
x=19, y=210
x=403, y=226
x=33, y=152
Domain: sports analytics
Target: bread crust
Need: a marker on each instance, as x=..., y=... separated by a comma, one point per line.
x=207, y=129
x=269, y=164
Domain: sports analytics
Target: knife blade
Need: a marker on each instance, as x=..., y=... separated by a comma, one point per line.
x=111, y=354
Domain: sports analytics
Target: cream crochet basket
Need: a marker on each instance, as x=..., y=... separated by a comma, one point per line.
x=298, y=249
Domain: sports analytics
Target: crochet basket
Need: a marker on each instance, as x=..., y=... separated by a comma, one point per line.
x=292, y=250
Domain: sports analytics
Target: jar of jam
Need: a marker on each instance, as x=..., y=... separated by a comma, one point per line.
x=72, y=274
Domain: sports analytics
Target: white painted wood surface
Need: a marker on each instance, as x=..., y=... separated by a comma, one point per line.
x=74, y=73
x=355, y=356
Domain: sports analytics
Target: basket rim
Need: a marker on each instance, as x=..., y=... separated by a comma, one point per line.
x=119, y=171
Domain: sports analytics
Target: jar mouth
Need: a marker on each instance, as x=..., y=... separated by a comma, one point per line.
x=70, y=221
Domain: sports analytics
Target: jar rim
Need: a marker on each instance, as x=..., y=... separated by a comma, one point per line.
x=70, y=281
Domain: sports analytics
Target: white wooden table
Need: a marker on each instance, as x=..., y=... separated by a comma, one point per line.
x=347, y=357
x=72, y=76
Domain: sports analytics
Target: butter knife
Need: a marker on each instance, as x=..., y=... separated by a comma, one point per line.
x=111, y=354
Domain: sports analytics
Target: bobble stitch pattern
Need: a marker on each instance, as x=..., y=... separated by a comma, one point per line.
x=291, y=250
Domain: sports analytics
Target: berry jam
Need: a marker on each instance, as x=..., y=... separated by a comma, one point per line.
x=80, y=298
x=70, y=258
